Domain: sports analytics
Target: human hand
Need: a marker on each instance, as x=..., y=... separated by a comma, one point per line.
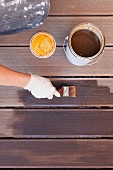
x=41, y=87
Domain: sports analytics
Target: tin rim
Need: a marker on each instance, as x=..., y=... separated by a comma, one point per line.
x=45, y=33
x=94, y=27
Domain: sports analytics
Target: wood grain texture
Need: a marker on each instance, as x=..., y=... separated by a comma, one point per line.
x=56, y=123
x=60, y=27
x=91, y=153
x=90, y=93
x=21, y=59
x=81, y=7
x=31, y=122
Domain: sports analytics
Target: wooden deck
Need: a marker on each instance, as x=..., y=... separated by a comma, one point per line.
x=62, y=132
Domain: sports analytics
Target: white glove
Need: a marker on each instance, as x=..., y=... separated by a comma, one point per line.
x=41, y=87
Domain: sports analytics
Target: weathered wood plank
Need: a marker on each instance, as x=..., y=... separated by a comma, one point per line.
x=81, y=7
x=60, y=27
x=21, y=59
x=91, y=153
x=56, y=123
x=90, y=93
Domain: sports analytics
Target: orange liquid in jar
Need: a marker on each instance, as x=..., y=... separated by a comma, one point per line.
x=42, y=45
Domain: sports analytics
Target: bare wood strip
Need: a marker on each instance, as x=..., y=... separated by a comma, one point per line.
x=90, y=93
x=57, y=123
x=91, y=153
x=21, y=59
x=80, y=7
x=60, y=27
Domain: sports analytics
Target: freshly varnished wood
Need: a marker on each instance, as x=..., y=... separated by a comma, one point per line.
x=81, y=7
x=60, y=27
x=90, y=93
x=90, y=153
x=32, y=122
x=56, y=123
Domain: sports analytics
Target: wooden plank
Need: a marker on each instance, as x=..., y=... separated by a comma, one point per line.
x=81, y=7
x=21, y=59
x=90, y=93
x=56, y=123
x=60, y=27
x=91, y=153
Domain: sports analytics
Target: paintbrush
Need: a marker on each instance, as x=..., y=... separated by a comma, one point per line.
x=68, y=91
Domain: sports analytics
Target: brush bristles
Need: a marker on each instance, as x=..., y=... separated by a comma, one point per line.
x=72, y=91
x=68, y=91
